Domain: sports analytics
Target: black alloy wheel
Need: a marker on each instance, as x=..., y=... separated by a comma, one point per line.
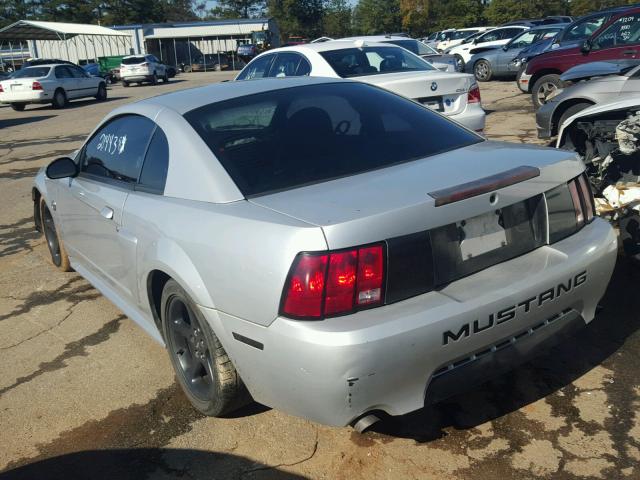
x=51, y=236
x=188, y=345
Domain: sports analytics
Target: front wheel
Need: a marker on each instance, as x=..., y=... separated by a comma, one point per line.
x=482, y=71
x=18, y=107
x=202, y=366
x=56, y=247
x=543, y=88
x=101, y=96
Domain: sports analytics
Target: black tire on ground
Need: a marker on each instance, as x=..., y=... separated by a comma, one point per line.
x=187, y=68
x=102, y=92
x=154, y=79
x=55, y=244
x=202, y=366
x=543, y=87
x=569, y=112
x=18, y=107
x=165, y=78
x=59, y=99
x=482, y=70
x=125, y=84
x=459, y=63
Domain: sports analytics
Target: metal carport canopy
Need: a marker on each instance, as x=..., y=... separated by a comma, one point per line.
x=35, y=30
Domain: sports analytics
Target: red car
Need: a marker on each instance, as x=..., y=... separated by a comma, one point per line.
x=617, y=39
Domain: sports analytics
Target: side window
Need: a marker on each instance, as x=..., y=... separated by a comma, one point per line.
x=490, y=37
x=116, y=151
x=285, y=65
x=156, y=163
x=258, y=68
x=585, y=28
x=63, y=72
x=304, y=67
x=624, y=31
x=508, y=33
x=77, y=73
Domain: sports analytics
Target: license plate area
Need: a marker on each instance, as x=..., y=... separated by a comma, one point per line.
x=433, y=103
x=487, y=239
x=16, y=87
x=481, y=234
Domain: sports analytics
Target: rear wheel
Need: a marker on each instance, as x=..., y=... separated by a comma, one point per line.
x=18, y=107
x=56, y=247
x=202, y=366
x=482, y=71
x=125, y=84
x=102, y=92
x=59, y=99
x=543, y=88
x=154, y=79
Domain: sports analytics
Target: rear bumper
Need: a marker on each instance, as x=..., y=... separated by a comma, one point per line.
x=396, y=357
x=473, y=117
x=29, y=96
x=136, y=77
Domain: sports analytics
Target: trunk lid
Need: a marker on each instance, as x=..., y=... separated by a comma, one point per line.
x=395, y=201
x=444, y=92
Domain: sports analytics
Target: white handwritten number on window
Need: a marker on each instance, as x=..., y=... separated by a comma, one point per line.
x=112, y=144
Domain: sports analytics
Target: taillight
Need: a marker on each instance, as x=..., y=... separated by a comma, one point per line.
x=1, y=89
x=334, y=283
x=577, y=204
x=474, y=94
x=36, y=86
x=587, y=196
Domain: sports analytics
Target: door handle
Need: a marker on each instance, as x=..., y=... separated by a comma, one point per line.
x=107, y=212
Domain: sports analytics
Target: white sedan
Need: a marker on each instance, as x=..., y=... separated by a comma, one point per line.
x=55, y=84
x=455, y=95
x=487, y=41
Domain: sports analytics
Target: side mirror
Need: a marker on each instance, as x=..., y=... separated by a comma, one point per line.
x=586, y=46
x=62, y=168
x=505, y=47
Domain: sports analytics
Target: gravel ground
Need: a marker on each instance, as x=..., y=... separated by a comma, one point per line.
x=85, y=394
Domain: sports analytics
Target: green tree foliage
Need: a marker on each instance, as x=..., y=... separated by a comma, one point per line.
x=297, y=17
x=336, y=20
x=237, y=9
x=455, y=14
x=501, y=11
x=415, y=16
x=581, y=7
x=377, y=16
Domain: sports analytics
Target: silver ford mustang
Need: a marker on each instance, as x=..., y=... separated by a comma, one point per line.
x=326, y=247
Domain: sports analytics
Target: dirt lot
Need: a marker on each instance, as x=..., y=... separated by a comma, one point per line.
x=85, y=394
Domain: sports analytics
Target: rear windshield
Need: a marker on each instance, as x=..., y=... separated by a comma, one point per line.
x=414, y=46
x=32, y=72
x=133, y=60
x=356, y=62
x=287, y=138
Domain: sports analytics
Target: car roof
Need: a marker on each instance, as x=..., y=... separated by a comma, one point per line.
x=338, y=44
x=183, y=101
x=557, y=26
x=373, y=38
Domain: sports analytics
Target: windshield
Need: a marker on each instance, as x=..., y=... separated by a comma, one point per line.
x=32, y=72
x=356, y=62
x=461, y=34
x=296, y=136
x=470, y=38
x=133, y=60
x=529, y=37
x=414, y=46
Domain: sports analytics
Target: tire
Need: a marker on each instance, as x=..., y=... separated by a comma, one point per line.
x=188, y=68
x=165, y=79
x=217, y=67
x=203, y=368
x=101, y=96
x=482, y=70
x=544, y=86
x=459, y=63
x=59, y=99
x=518, y=75
x=154, y=79
x=125, y=84
x=18, y=107
x=569, y=112
x=58, y=253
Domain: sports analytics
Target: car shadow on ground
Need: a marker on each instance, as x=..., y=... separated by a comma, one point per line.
x=136, y=464
x=13, y=122
x=146, y=84
x=550, y=372
x=74, y=104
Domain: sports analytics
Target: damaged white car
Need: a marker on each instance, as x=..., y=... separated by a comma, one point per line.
x=607, y=137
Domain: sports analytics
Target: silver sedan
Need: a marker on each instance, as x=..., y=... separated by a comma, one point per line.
x=325, y=247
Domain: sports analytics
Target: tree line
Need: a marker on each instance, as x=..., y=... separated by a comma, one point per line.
x=305, y=18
